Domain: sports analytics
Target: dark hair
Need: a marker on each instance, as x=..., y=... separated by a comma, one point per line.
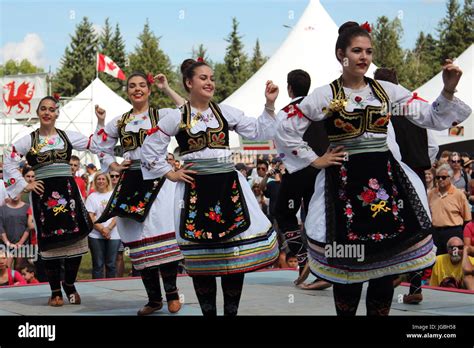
x=29, y=268
x=187, y=69
x=289, y=255
x=299, y=81
x=48, y=97
x=169, y=153
x=26, y=169
x=141, y=74
x=347, y=32
x=262, y=162
x=386, y=74
x=75, y=158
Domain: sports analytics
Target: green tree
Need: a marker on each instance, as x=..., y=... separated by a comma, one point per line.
x=385, y=41
x=258, y=59
x=12, y=67
x=112, y=45
x=421, y=63
x=236, y=67
x=78, y=65
x=149, y=58
x=467, y=23
x=450, y=28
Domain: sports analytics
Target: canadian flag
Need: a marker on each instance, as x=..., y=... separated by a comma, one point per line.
x=108, y=66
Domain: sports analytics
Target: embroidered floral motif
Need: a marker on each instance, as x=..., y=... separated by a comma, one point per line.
x=375, y=196
x=196, y=143
x=129, y=208
x=218, y=139
x=57, y=203
x=382, y=121
x=345, y=126
x=358, y=101
x=214, y=213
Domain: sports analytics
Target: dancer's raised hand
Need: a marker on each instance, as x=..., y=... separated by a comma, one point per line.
x=100, y=113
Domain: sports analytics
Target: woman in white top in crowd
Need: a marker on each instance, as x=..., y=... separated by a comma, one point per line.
x=104, y=240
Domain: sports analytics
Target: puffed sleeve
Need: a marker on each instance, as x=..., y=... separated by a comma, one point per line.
x=313, y=105
x=14, y=181
x=79, y=141
x=261, y=128
x=297, y=154
x=439, y=115
x=433, y=147
x=155, y=146
x=104, y=141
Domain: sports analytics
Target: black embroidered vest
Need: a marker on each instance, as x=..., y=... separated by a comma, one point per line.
x=132, y=140
x=37, y=159
x=213, y=138
x=341, y=125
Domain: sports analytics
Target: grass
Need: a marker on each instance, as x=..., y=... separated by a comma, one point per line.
x=85, y=270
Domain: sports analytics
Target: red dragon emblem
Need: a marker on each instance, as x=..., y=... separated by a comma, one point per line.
x=23, y=96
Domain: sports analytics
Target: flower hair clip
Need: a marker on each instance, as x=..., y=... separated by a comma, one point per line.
x=150, y=78
x=57, y=98
x=200, y=60
x=366, y=26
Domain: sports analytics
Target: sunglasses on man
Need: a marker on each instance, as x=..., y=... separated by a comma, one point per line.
x=441, y=177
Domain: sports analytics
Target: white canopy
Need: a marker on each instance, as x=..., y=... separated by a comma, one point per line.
x=12, y=130
x=79, y=113
x=309, y=46
x=431, y=90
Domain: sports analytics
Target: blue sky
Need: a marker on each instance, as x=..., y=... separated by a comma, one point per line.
x=39, y=29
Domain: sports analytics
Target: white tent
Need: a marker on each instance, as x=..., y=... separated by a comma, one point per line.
x=79, y=113
x=309, y=46
x=431, y=90
x=12, y=130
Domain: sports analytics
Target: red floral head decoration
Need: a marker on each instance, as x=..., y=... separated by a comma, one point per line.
x=57, y=96
x=150, y=78
x=366, y=26
x=200, y=60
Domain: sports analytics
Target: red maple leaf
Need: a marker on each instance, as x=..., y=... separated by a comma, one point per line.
x=111, y=65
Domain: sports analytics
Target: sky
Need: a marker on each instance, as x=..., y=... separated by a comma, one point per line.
x=39, y=30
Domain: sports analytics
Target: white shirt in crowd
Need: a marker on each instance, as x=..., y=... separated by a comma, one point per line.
x=96, y=203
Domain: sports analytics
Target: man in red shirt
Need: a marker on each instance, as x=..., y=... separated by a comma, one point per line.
x=75, y=163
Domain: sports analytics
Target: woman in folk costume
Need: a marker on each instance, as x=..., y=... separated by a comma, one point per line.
x=61, y=219
x=144, y=214
x=369, y=218
x=221, y=229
